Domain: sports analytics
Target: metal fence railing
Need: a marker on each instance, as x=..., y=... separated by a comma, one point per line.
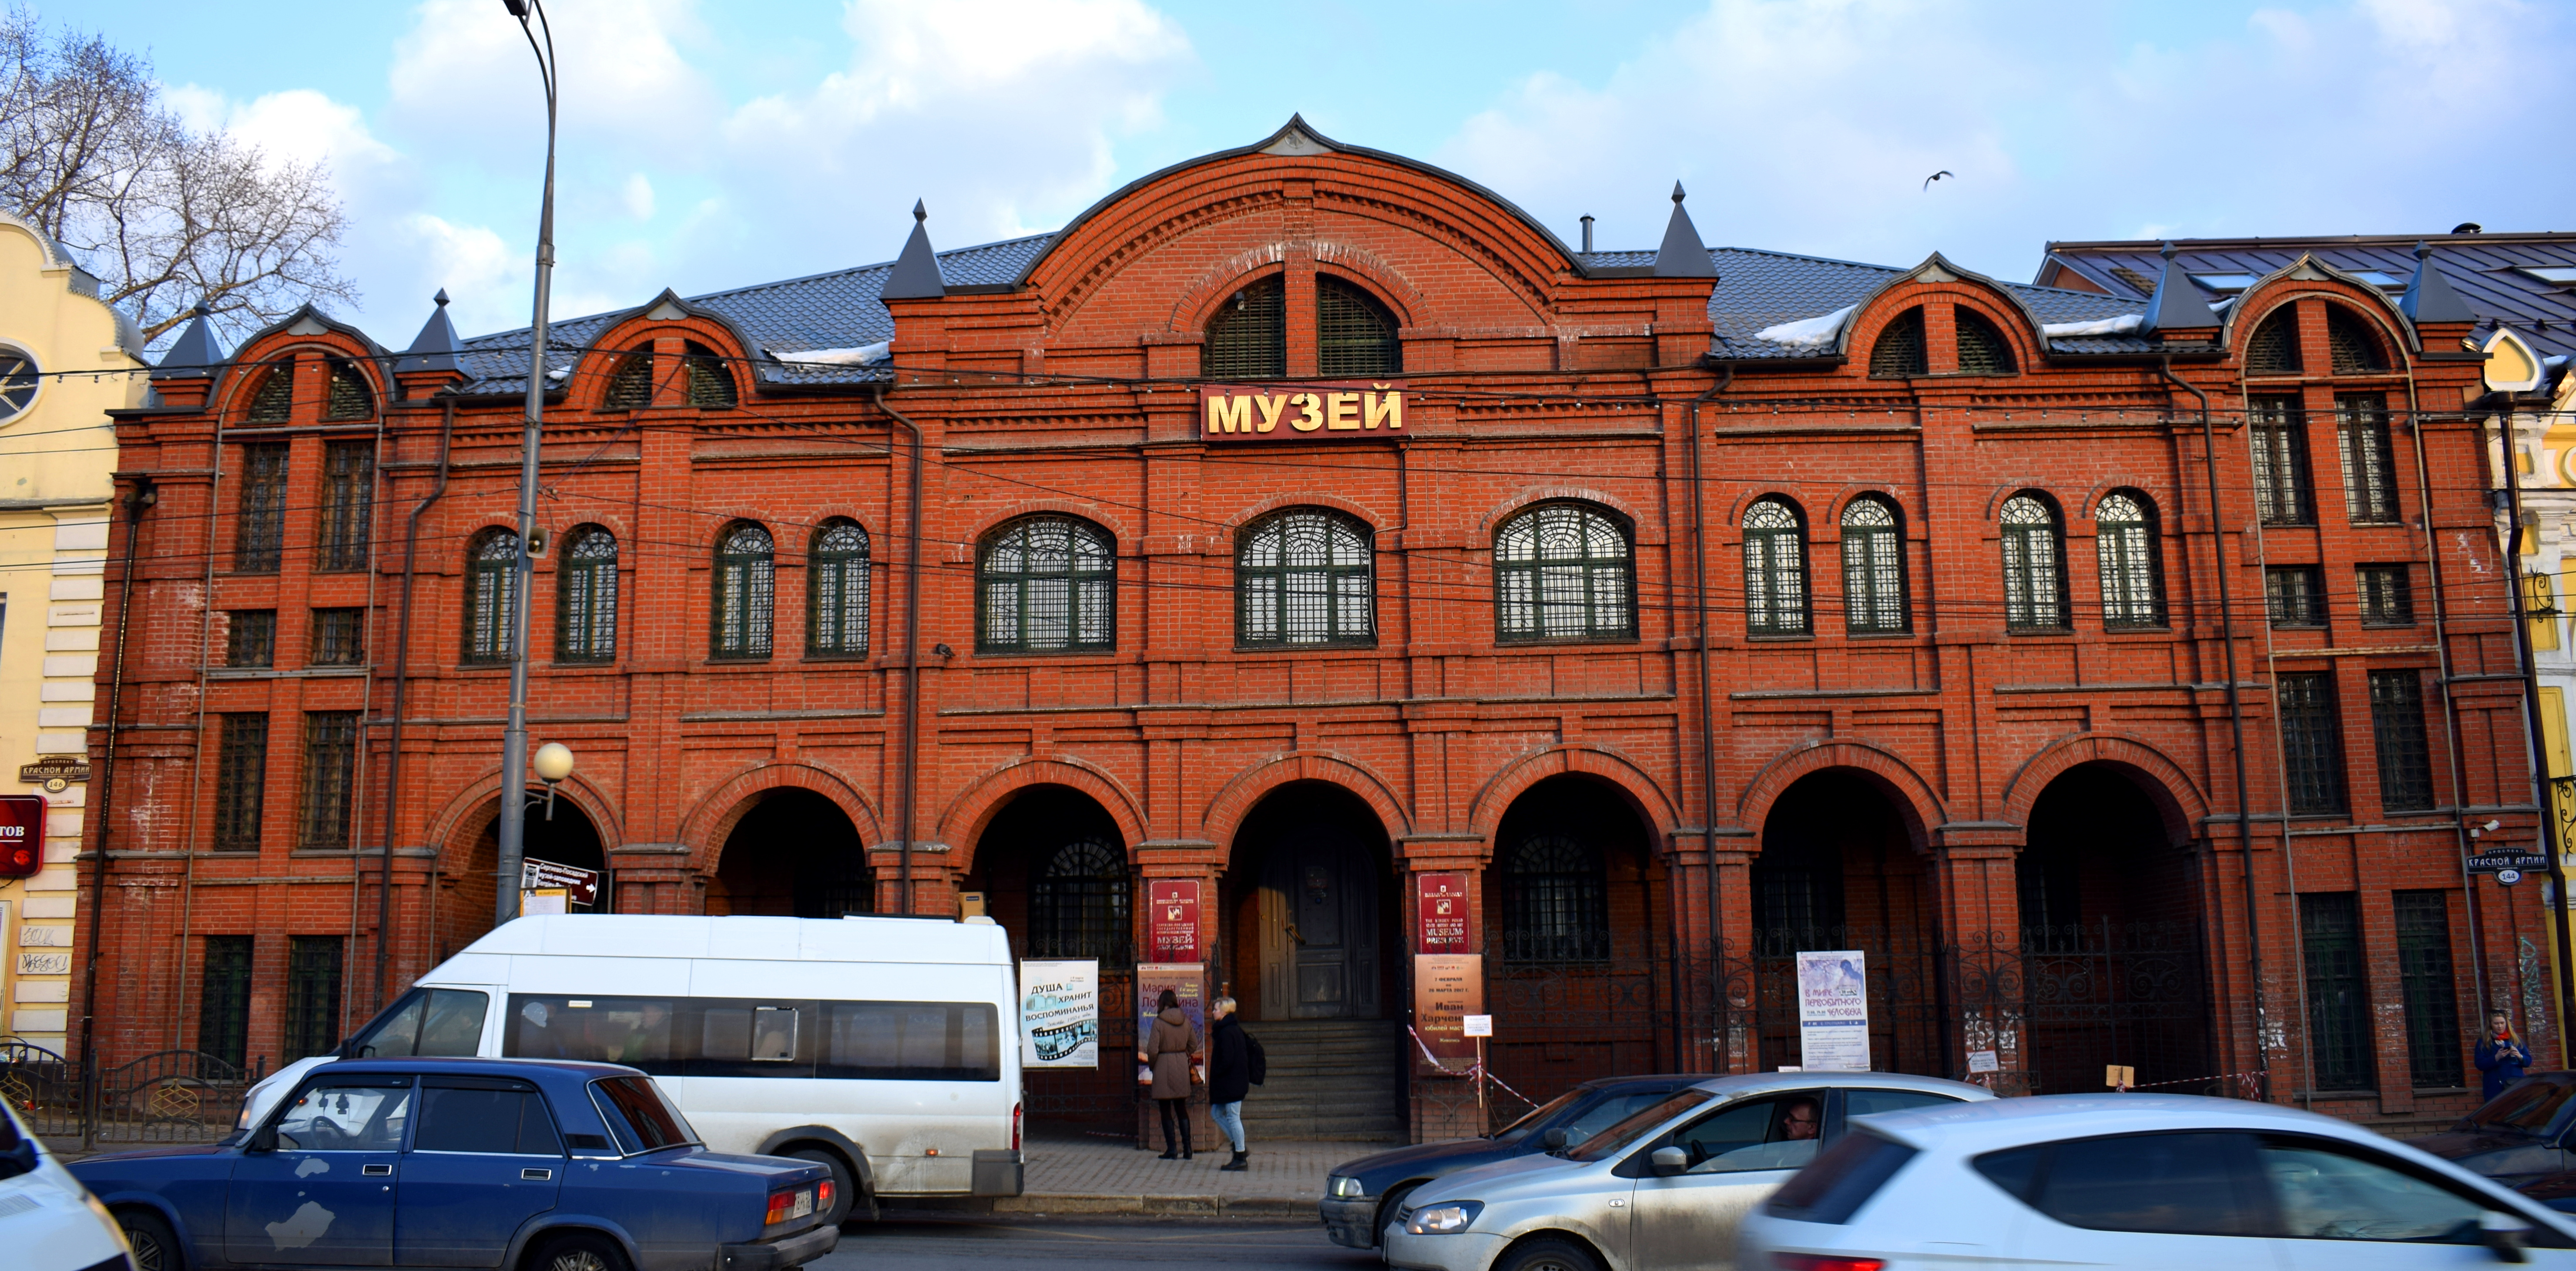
x=169, y=1096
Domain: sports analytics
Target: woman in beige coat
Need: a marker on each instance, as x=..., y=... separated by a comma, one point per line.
x=1170, y=1049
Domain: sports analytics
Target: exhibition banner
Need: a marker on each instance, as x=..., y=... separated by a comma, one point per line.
x=1833, y=1011
x=1187, y=980
x=1060, y=1014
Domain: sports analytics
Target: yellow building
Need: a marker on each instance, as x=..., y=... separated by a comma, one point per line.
x=66, y=359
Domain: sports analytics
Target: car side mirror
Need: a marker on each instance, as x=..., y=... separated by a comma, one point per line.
x=1668, y=1161
x=263, y=1139
x=1555, y=1139
x=2503, y=1235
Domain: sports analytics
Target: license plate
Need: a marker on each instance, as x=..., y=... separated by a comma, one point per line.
x=804, y=1204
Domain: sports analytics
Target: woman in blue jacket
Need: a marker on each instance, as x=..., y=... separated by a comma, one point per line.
x=2502, y=1056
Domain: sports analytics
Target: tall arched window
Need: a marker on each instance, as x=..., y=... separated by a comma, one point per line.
x=1247, y=336
x=1564, y=571
x=2274, y=350
x=1556, y=901
x=836, y=591
x=2034, y=573
x=586, y=607
x=1303, y=576
x=745, y=586
x=1047, y=584
x=1078, y=904
x=1899, y=351
x=1775, y=569
x=2349, y=342
x=491, y=593
x=1983, y=350
x=1354, y=334
x=2133, y=573
x=1874, y=569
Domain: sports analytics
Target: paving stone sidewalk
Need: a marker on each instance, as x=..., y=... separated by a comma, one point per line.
x=1067, y=1175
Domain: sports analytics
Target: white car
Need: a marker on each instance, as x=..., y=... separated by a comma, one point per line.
x=47, y=1219
x=1661, y=1189
x=2144, y=1181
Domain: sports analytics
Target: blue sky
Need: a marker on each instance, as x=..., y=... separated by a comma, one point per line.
x=708, y=145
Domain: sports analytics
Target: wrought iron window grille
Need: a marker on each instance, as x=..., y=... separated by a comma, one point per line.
x=1305, y=578
x=836, y=590
x=2035, y=597
x=1775, y=569
x=1247, y=337
x=586, y=601
x=1046, y=584
x=259, y=524
x=2132, y=563
x=491, y=591
x=2284, y=493
x=241, y=780
x=1874, y=570
x=745, y=593
x=1564, y=571
x=346, y=520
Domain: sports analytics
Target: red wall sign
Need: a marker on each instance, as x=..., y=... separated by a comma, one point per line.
x=22, y=834
x=1172, y=928
x=1440, y=913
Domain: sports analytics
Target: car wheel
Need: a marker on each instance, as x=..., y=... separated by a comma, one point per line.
x=1388, y=1208
x=1548, y=1255
x=843, y=1194
x=580, y=1251
x=156, y=1248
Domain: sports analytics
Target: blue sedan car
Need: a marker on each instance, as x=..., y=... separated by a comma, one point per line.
x=522, y=1164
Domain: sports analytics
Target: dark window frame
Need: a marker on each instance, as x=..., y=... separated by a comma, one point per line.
x=1079, y=902
x=2430, y=986
x=2285, y=490
x=2129, y=549
x=223, y=997
x=241, y=780
x=2273, y=349
x=586, y=585
x=2353, y=347
x=2295, y=596
x=344, y=523
x=1778, y=597
x=1530, y=583
x=1983, y=348
x=2369, y=459
x=2036, y=599
x=1355, y=332
x=1267, y=589
x=630, y=381
x=273, y=402
x=324, y=813
x=838, y=576
x=1901, y=350
x=338, y=637
x=742, y=607
x=348, y=395
x=1874, y=591
x=1021, y=560
x=2387, y=594
x=1556, y=900
x=1246, y=338
x=2311, y=730
x=491, y=593
x=711, y=383
x=313, y=982
x=2403, y=750
x=259, y=517
x=250, y=638
x=2339, y=1014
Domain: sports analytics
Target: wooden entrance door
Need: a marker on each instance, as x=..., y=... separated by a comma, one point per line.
x=1319, y=912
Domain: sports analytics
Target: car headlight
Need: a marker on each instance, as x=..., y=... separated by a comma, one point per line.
x=1447, y=1219
x=1346, y=1187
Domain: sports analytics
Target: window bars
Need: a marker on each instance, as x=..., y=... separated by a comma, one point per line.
x=491, y=591
x=259, y=526
x=339, y=637
x=2295, y=595
x=2311, y=743
x=1564, y=571
x=836, y=591
x=312, y=996
x=2133, y=584
x=2274, y=350
x=1899, y=351
x=630, y=386
x=586, y=605
x=330, y=764
x=2431, y=990
x=1983, y=350
x=1354, y=334
x=223, y=999
x=345, y=520
x=2369, y=464
x=2338, y=999
x=2278, y=432
x=2034, y=577
x=1775, y=569
x=348, y=396
x=1247, y=337
x=711, y=382
x=241, y=776
x=1304, y=577
x=2354, y=350
x=2397, y=729
x=2387, y=595
x=1047, y=584
x=250, y=638
x=745, y=587
x=1078, y=904
x=274, y=401
x=1556, y=893
x=1873, y=569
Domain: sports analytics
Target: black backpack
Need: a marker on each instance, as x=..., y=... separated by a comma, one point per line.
x=1254, y=1059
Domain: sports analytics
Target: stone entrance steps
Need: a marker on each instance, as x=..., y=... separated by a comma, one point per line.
x=1329, y=1080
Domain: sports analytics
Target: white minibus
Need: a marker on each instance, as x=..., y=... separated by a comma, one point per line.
x=883, y=1048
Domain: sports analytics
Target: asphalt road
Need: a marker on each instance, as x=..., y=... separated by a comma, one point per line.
x=1239, y=1244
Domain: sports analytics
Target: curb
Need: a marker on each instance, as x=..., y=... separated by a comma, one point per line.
x=1199, y=1206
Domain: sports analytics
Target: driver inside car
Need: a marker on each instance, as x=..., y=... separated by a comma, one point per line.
x=1791, y=1143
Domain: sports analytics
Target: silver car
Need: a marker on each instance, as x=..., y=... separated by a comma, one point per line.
x=1663, y=1189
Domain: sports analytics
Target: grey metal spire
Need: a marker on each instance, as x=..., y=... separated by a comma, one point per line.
x=1683, y=255
x=2177, y=304
x=195, y=354
x=2428, y=296
x=916, y=271
x=435, y=348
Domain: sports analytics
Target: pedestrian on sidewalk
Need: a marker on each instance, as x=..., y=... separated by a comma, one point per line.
x=2502, y=1056
x=1172, y=1050
x=1235, y=1066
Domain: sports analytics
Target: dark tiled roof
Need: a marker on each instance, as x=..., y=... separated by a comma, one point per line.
x=2481, y=268
x=1757, y=290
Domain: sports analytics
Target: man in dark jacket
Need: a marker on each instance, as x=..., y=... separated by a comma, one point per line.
x=1230, y=1076
x=2502, y=1056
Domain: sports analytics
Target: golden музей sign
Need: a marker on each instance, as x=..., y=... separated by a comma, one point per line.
x=1273, y=412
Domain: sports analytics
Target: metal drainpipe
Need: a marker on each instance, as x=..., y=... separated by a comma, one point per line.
x=143, y=497
x=2235, y=717
x=911, y=642
x=2450, y=709
x=1707, y=728
x=402, y=667
x=2542, y=809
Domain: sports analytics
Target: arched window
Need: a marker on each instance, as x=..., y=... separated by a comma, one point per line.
x=630, y=386
x=1303, y=576
x=746, y=579
x=836, y=591
x=1564, y=571
x=1983, y=350
x=2133, y=572
x=2349, y=342
x=1047, y=584
x=1247, y=336
x=1874, y=569
x=1899, y=351
x=349, y=396
x=1078, y=904
x=491, y=594
x=586, y=607
x=275, y=398
x=1354, y=334
x=1775, y=569
x=1556, y=901
x=710, y=380
x=2034, y=576
x=2274, y=350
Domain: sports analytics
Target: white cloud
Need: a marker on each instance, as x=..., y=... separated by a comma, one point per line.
x=639, y=197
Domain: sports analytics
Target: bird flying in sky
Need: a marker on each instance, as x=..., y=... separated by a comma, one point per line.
x=1945, y=172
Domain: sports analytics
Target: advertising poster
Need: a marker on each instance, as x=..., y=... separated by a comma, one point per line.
x=1060, y=1014
x=1833, y=1011
x=1440, y=913
x=1447, y=988
x=1172, y=928
x=1188, y=979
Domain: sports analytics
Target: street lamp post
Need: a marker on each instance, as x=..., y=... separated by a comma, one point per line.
x=513, y=831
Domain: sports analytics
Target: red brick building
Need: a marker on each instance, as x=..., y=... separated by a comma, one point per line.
x=1302, y=521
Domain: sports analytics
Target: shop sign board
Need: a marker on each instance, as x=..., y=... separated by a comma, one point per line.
x=1447, y=988
x=1440, y=913
x=1293, y=412
x=1173, y=926
x=1833, y=1011
x=22, y=834
x=1060, y=1014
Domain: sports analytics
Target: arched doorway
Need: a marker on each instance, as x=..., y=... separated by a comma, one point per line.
x=1579, y=972
x=466, y=895
x=1838, y=870
x=1054, y=872
x=2110, y=934
x=794, y=854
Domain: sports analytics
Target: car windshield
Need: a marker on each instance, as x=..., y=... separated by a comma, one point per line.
x=1616, y=1139
x=1537, y=1117
x=642, y=1119
x=441, y=1022
x=2530, y=1108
